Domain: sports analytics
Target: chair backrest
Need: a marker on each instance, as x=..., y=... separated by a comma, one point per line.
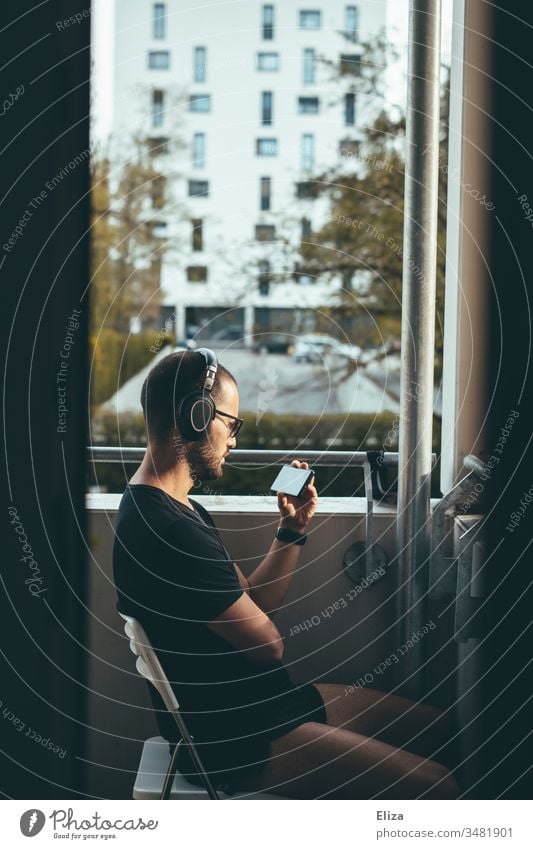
x=147, y=663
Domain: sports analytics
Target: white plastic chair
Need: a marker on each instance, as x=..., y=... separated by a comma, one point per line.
x=155, y=755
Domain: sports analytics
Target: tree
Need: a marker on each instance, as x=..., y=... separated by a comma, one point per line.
x=362, y=242
x=128, y=199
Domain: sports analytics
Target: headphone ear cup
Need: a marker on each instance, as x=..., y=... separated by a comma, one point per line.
x=195, y=413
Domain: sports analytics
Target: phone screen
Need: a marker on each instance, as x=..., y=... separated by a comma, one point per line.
x=292, y=481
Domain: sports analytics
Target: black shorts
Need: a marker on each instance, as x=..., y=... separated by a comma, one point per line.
x=229, y=764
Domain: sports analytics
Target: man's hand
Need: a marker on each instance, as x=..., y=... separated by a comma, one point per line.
x=297, y=512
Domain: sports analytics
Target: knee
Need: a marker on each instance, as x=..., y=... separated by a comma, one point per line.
x=441, y=784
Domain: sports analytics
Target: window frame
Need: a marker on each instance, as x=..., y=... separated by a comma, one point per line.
x=261, y=54
x=306, y=227
x=301, y=18
x=202, y=278
x=266, y=141
x=198, y=161
x=264, y=277
x=265, y=194
x=309, y=68
x=200, y=98
x=199, y=69
x=197, y=235
x=158, y=115
x=308, y=99
x=270, y=237
x=350, y=111
x=307, y=155
x=352, y=33
x=159, y=21
x=192, y=194
x=267, y=114
x=152, y=64
x=267, y=27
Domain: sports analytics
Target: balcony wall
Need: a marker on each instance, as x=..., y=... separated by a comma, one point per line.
x=348, y=638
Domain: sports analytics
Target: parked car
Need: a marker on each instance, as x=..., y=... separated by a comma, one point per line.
x=231, y=333
x=314, y=346
x=273, y=343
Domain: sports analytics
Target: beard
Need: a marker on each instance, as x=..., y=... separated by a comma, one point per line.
x=203, y=461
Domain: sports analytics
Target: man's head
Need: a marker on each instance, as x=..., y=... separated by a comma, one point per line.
x=168, y=382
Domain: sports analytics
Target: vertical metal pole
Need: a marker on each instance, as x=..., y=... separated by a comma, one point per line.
x=418, y=332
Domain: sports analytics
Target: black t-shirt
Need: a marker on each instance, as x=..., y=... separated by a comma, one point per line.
x=173, y=573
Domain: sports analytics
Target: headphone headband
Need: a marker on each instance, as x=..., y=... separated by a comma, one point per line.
x=211, y=365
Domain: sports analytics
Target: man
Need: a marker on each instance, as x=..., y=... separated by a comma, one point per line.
x=213, y=631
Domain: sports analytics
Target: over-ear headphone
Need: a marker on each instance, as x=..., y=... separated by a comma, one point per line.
x=196, y=410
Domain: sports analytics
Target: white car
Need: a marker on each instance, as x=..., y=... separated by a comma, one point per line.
x=313, y=347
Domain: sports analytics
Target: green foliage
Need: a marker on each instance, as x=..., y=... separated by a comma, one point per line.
x=115, y=357
x=300, y=433
x=362, y=242
x=127, y=199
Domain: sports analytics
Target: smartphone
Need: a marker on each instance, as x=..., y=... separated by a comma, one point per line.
x=292, y=481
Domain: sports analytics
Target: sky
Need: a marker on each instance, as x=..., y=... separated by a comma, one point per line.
x=102, y=37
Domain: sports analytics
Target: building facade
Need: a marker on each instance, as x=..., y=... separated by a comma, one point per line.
x=244, y=110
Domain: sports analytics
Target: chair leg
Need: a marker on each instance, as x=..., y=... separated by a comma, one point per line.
x=171, y=772
x=195, y=757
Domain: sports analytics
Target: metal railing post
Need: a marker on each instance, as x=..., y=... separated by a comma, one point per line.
x=418, y=332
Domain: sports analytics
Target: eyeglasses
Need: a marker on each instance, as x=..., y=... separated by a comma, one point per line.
x=235, y=425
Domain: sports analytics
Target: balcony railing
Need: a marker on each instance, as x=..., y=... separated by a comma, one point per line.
x=254, y=457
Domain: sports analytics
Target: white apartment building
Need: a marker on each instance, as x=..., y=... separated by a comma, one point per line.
x=243, y=98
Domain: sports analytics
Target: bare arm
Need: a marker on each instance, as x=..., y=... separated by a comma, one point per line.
x=247, y=628
x=269, y=583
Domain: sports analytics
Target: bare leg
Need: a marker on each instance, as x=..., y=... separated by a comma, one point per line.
x=420, y=728
x=317, y=761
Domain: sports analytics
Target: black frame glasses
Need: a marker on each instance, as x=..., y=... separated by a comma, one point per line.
x=235, y=427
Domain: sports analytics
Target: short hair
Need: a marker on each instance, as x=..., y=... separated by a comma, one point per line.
x=167, y=383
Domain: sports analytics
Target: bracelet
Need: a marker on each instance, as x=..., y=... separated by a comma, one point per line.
x=286, y=535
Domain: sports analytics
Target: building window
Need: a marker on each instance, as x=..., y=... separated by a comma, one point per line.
x=264, y=277
x=198, y=150
x=158, y=107
x=348, y=148
x=158, y=192
x=265, y=193
x=350, y=64
x=351, y=23
x=159, y=229
x=268, y=61
x=198, y=188
x=267, y=107
x=301, y=278
x=197, y=240
x=266, y=147
x=159, y=20
x=308, y=105
x=309, y=65
x=159, y=60
x=310, y=19
x=157, y=145
x=306, y=228
x=197, y=273
x=265, y=232
x=308, y=152
x=199, y=69
x=349, y=109
x=268, y=22
x=199, y=103
x=306, y=190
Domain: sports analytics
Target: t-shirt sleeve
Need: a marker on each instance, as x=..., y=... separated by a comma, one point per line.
x=202, y=580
